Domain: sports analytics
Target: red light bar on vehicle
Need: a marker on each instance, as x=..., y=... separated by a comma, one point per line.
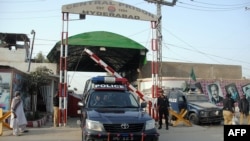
x=108, y=80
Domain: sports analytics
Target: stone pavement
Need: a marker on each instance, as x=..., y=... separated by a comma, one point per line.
x=70, y=132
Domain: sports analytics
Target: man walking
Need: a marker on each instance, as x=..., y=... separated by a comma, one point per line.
x=228, y=110
x=163, y=107
x=244, y=109
x=18, y=120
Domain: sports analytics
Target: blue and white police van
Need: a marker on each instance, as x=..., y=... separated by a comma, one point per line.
x=109, y=112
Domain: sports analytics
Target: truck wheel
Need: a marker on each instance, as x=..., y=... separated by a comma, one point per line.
x=193, y=118
x=217, y=123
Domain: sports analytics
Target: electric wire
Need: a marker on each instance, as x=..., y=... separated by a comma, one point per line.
x=202, y=6
x=213, y=8
x=78, y=62
x=215, y=4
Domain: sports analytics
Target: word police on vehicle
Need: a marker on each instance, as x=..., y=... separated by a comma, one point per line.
x=172, y=100
x=109, y=86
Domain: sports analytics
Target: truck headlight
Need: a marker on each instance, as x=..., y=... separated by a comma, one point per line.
x=94, y=125
x=202, y=113
x=217, y=112
x=150, y=124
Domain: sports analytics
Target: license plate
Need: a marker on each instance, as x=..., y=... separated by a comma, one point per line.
x=123, y=138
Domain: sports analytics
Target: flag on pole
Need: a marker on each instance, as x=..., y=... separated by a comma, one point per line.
x=192, y=74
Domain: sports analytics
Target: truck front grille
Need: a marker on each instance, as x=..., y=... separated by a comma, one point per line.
x=116, y=128
x=215, y=113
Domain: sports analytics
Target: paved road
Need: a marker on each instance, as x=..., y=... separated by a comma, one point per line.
x=194, y=133
x=72, y=132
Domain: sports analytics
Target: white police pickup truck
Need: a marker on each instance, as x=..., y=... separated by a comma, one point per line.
x=112, y=113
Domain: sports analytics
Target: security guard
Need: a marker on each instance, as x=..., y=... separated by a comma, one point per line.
x=163, y=107
x=228, y=109
x=56, y=109
x=244, y=109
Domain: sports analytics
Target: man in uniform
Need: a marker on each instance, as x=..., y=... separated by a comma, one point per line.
x=56, y=109
x=163, y=107
x=244, y=109
x=228, y=110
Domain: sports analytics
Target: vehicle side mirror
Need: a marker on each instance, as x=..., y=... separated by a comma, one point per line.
x=80, y=104
x=143, y=104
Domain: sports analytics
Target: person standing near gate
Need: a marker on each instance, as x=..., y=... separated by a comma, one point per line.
x=163, y=108
x=56, y=109
x=18, y=120
x=228, y=109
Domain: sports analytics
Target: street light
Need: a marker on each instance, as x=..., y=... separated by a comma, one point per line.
x=34, y=33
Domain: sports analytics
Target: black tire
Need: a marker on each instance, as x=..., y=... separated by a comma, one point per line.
x=193, y=118
x=217, y=123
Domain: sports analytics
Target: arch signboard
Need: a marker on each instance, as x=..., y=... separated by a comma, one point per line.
x=109, y=8
x=106, y=8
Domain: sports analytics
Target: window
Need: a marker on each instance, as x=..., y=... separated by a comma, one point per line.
x=112, y=99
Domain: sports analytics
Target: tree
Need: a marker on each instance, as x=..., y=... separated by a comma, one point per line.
x=35, y=80
x=39, y=77
x=40, y=58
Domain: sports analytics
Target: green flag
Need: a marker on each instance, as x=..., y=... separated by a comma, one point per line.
x=192, y=74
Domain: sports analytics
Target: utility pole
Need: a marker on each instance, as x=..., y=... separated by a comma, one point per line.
x=159, y=34
x=32, y=46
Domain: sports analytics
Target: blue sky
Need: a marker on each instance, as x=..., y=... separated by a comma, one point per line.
x=194, y=31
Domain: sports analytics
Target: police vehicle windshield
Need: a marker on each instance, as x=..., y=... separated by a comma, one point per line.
x=111, y=99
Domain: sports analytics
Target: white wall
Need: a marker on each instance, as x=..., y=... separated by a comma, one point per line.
x=16, y=59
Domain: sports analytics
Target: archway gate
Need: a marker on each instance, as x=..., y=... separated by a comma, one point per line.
x=106, y=8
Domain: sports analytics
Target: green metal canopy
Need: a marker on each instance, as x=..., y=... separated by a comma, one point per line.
x=119, y=52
